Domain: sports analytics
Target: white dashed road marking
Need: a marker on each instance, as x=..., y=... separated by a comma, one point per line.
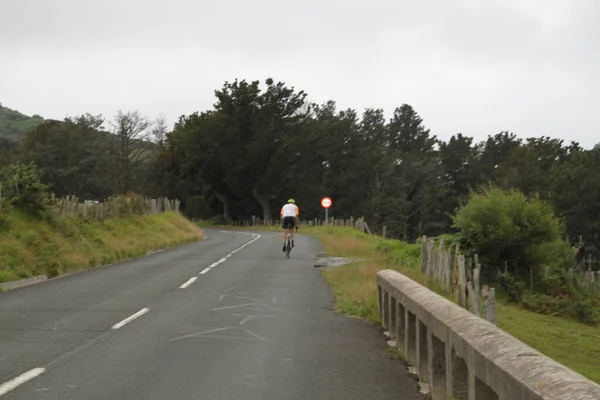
x=255, y=237
x=129, y=319
x=21, y=379
x=188, y=283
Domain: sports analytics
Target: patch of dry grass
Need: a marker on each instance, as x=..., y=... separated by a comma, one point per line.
x=355, y=284
x=30, y=247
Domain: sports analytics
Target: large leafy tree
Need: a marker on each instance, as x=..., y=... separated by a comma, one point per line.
x=575, y=191
x=73, y=156
x=257, y=126
x=409, y=174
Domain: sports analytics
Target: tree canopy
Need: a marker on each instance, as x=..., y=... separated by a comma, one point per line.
x=263, y=142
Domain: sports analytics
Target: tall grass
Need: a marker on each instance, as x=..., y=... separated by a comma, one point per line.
x=59, y=245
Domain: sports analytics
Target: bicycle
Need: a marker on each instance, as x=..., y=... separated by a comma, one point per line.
x=288, y=245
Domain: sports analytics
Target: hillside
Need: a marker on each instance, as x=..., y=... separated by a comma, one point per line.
x=13, y=124
x=31, y=247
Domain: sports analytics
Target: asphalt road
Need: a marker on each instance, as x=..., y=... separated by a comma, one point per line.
x=254, y=326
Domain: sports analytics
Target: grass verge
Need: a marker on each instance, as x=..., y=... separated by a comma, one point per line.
x=573, y=344
x=30, y=247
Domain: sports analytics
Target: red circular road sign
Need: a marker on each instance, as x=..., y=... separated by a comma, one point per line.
x=326, y=202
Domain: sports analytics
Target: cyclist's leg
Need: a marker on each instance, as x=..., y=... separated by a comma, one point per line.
x=287, y=226
x=293, y=230
x=283, y=225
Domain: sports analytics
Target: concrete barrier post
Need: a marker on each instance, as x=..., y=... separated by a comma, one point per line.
x=392, y=317
x=411, y=338
x=422, y=351
x=401, y=327
x=436, y=353
x=386, y=310
x=380, y=303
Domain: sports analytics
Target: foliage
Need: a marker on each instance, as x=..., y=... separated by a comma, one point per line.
x=197, y=207
x=580, y=307
x=263, y=142
x=13, y=124
x=561, y=293
x=504, y=226
x=585, y=309
x=22, y=187
x=511, y=286
x=450, y=240
x=574, y=186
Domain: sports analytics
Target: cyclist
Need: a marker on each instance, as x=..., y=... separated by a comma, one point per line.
x=289, y=219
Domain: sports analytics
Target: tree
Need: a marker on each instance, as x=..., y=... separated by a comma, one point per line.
x=257, y=123
x=458, y=159
x=575, y=190
x=160, y=129
x=412, y=166
x=128, y=149
x=72, y=156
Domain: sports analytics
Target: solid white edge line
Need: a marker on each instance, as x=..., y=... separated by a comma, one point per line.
x=188, y=283
x=131, y=318
x=205, y=270
x=19, y=380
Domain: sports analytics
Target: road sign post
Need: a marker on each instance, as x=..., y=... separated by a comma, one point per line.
x=326, y=203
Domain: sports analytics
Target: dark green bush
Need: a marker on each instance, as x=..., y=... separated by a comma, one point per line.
x=582, y=308
x=564, y=296
x=585, y=309
x=512, y=286
x=450, y=240
x=547, y=305
x=505, y=226
x=22, y=188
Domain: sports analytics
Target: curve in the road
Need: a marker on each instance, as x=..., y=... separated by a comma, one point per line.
x=258, y=327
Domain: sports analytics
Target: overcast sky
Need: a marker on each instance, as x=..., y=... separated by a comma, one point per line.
x=472, y=66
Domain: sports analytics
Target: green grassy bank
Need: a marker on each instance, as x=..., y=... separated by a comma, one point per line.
x=60, y=245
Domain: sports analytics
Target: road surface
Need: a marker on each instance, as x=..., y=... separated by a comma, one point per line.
x=225, y=318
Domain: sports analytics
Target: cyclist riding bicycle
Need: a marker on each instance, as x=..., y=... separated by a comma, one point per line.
x=289, y=219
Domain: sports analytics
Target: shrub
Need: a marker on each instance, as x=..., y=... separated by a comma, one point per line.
x=22, y=187
x=504, y=225
x=131, y=203
x=547, y=305
x=563, y=294
x=513, y=287
x=585, y=309
x=581, y=307
x=450, y=240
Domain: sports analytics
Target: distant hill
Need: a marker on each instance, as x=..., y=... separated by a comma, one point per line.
x=13, y=124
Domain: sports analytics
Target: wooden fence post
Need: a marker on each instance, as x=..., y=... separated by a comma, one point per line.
x=461, y=281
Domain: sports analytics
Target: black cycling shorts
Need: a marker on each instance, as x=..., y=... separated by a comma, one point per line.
x=289, y=222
